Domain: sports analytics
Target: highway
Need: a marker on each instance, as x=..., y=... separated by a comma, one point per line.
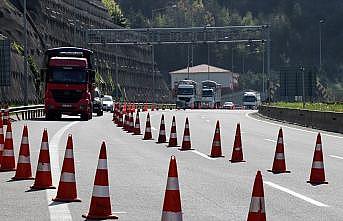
x=211, y=189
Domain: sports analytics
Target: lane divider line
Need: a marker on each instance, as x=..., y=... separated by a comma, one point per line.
x=57, y=211
x=295, y=194
x=153, y=128
x=294, y=128
x=270, y=140
x=337, y=157
x=203, y=155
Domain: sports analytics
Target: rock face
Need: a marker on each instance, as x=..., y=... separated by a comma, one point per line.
x=51, y=24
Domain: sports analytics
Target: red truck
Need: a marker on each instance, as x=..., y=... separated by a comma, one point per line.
x=69, y=82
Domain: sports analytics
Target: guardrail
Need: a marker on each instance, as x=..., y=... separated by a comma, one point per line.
x=26, y=112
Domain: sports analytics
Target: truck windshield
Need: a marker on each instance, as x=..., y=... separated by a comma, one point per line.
x=185, y=91
x=249, y=99
x=67, y=76
x=207, y=93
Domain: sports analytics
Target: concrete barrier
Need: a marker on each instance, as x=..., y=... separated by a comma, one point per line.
x=329, y=121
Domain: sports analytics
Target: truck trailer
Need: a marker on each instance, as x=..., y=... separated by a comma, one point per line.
x=69, y=82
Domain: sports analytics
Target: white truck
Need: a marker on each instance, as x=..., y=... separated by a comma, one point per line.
x=251, y=100
x=188, y=94
x=211, y=94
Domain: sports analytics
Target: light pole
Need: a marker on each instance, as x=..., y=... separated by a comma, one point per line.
x=153, y=49
x=25, y=58
x=321, y=22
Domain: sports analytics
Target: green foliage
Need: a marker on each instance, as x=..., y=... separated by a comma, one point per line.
x=115, y=12
x=335, y=107
x=18, y=48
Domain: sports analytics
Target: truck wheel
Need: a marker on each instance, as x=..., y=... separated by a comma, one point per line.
x=85, y=116
x=49, y=116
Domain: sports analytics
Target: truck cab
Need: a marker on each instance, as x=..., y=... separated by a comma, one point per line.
x=251, y=100
x=68, y=83
x=208, y=99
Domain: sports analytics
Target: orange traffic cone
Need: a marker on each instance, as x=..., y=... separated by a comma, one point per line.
x=186, y=141
x=43, y=178
x=257, y=206
x=172, y=200
x=8, y=160
x=2, y=141
x=237, y=152
x=147, y=134
x=162, y=134
x=100, y=207
x=23, y=171
x=6, y=115
x=131, y=123
x=279, y=164
x=137, y=128
x=126, y=122
x=145, y=107
x=152, y=107
x=173, y=135
x=216, y=150
x=120, y=119
x=124, y=108
x=66, y=191
x=317, y=172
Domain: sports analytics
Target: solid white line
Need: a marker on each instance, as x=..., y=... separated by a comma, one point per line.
x=298, y=195
x=57, y=211
x=284, y=126
x=153, y=128
x=337, y=157
x=203, y=155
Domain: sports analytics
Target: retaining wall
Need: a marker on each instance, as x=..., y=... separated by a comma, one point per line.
x=329, y=121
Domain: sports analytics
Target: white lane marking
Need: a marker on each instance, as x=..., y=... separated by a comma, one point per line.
x=337, y=157
x=57, y=211
x=270, y=140
x=153, y=128
x=203, y=155
x=295, y=194
x=280, y=124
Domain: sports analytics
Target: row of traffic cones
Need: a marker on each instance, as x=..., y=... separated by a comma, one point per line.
x=279, y=164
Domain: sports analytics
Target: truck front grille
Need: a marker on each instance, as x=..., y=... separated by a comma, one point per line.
x=66, y=96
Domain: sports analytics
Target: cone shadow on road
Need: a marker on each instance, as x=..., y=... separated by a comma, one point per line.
x=55, y=203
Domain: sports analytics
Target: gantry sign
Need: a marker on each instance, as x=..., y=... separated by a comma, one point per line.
x=192, y=35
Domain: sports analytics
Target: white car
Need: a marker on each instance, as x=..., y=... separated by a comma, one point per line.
x=229, y=105
x=107, y=103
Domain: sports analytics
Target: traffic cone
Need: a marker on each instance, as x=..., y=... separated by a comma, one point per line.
x=216, y=150
x=8, y=160
x=131, y=123
x=100, y=206
x=66, y=191
x=172, y=201
x=237, y=152
x=279, y=164
x=6, y=115
x=147, y=134
x=23, y=171
x=126, y=122
x=173, y=135
x=43, y=178
x=137, y=129
x=257, y=206
x=120, y=119
x=162, y=134
x=145, y=107
x=2, y=141
x=317, y=172
x=152, y=107
x=124, y=108
x=186, y=141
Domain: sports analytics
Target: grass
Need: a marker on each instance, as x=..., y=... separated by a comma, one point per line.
x=335, y=107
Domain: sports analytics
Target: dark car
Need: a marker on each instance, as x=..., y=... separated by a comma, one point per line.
x=98, y=103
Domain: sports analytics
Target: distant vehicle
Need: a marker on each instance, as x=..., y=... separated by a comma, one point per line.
x=229, y=105
x=98, y=103
x=211, y=94
x=188, y=94
x=107, y=103
x=69, y=80
x=251, y=100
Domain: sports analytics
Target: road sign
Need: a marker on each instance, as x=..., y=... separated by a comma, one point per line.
x=5, y=61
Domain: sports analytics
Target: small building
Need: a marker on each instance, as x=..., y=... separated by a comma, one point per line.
x=199, y=73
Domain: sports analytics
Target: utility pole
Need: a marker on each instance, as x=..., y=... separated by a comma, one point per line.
x=208, y=61
x=74, y=5
x=303, y=86
x=321, y=22
x=117, y=74
x=268, y=62
x=26, y=77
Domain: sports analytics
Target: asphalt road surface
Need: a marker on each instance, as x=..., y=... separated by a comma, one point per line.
x=211, y=189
